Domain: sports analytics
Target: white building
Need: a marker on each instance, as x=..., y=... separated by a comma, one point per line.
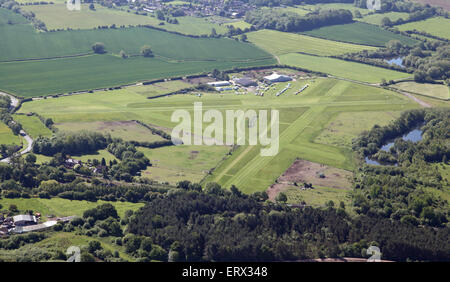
x=277, y=78
x=219, y=83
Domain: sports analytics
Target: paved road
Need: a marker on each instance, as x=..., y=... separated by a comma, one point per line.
x=14, y=104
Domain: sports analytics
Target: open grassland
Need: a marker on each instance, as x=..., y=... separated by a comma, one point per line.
x=101, y=154
x=176, y=163
x=334, y=6
x=7, y=137
x=33, y=126
x=377, y=18
x=319, y=196
x=99, y=71
x=279, y=43
x=440, y=3
x=23, y=42
x=59, y=17
x=160, y=88
x=302, y=119
x=432, y=90
x=435, y=26
x=295, y=9
x=360, y=33
x=126, y=130
x=239, y=24
x=63, y=207
x=346, y=126
x=341, y=68
x=9, y=18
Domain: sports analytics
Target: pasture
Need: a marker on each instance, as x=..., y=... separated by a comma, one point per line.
x=345, y=126
x=176, y=163
x=432, y=90
x=341, y=68
x=63, y=207
x=33, y=126
x=7, y=137
x=438, y=26
x=279, y=43
x=59, y=17
x=334, y=6
x=377, y=18
x=126, y=130
x=360, y=33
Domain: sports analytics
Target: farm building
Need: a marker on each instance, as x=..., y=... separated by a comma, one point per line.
x=277, y=78
x=219, y=83
x=246, y=82
x=24, y=220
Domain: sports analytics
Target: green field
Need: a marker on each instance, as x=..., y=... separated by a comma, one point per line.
x=7, y=137
x=376, y=18
x=335, y=6
x=319, y=196
x=160, y=88
x=360, y=33
x=340, y=68
x=176, y=163
x=59, y=17
x=239, y=24
x=432, y=90
x=63, y=207
x=302, y=118
x=126, y=130
x=342, y=129
x=435, y=26
x=33, y=126
x=99, y=71
x=23, y=42
x=279, y=43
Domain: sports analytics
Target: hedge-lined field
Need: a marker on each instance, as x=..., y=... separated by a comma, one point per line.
x=6, y=135
x=23, y=42
x=37, y=78
x=278, y=43
x=57, y=16
x=341, y=68
x=435, y=26
x=33, y=126
x=376, y=18
x=360, y=33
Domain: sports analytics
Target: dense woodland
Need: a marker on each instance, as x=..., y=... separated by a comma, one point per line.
x=405, y=188
x=293, y=22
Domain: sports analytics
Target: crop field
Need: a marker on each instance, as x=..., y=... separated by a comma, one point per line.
x=360, y=33
x=346, y=126
x=33, y=126
x=279, y=43
x=302, y=118
x=126, y=130
x=23, y=42
x=59, y=17
x=376, y=18
x=176, y=163
x=432, y=90
x=63, y=207
x=435, y=26
x=99, y=71
x=341, y=68
x=6, y=135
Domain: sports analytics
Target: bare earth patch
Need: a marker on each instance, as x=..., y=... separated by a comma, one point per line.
x=302, y=171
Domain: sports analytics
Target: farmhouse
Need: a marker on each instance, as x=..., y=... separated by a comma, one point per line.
x=245, y=82
x=219, y=83
x=277, y=78
x=24, y=220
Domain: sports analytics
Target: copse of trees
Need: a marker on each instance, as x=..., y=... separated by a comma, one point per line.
x=146, y=51
x=84, y=142
x=99, y=48
x=293, y=22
